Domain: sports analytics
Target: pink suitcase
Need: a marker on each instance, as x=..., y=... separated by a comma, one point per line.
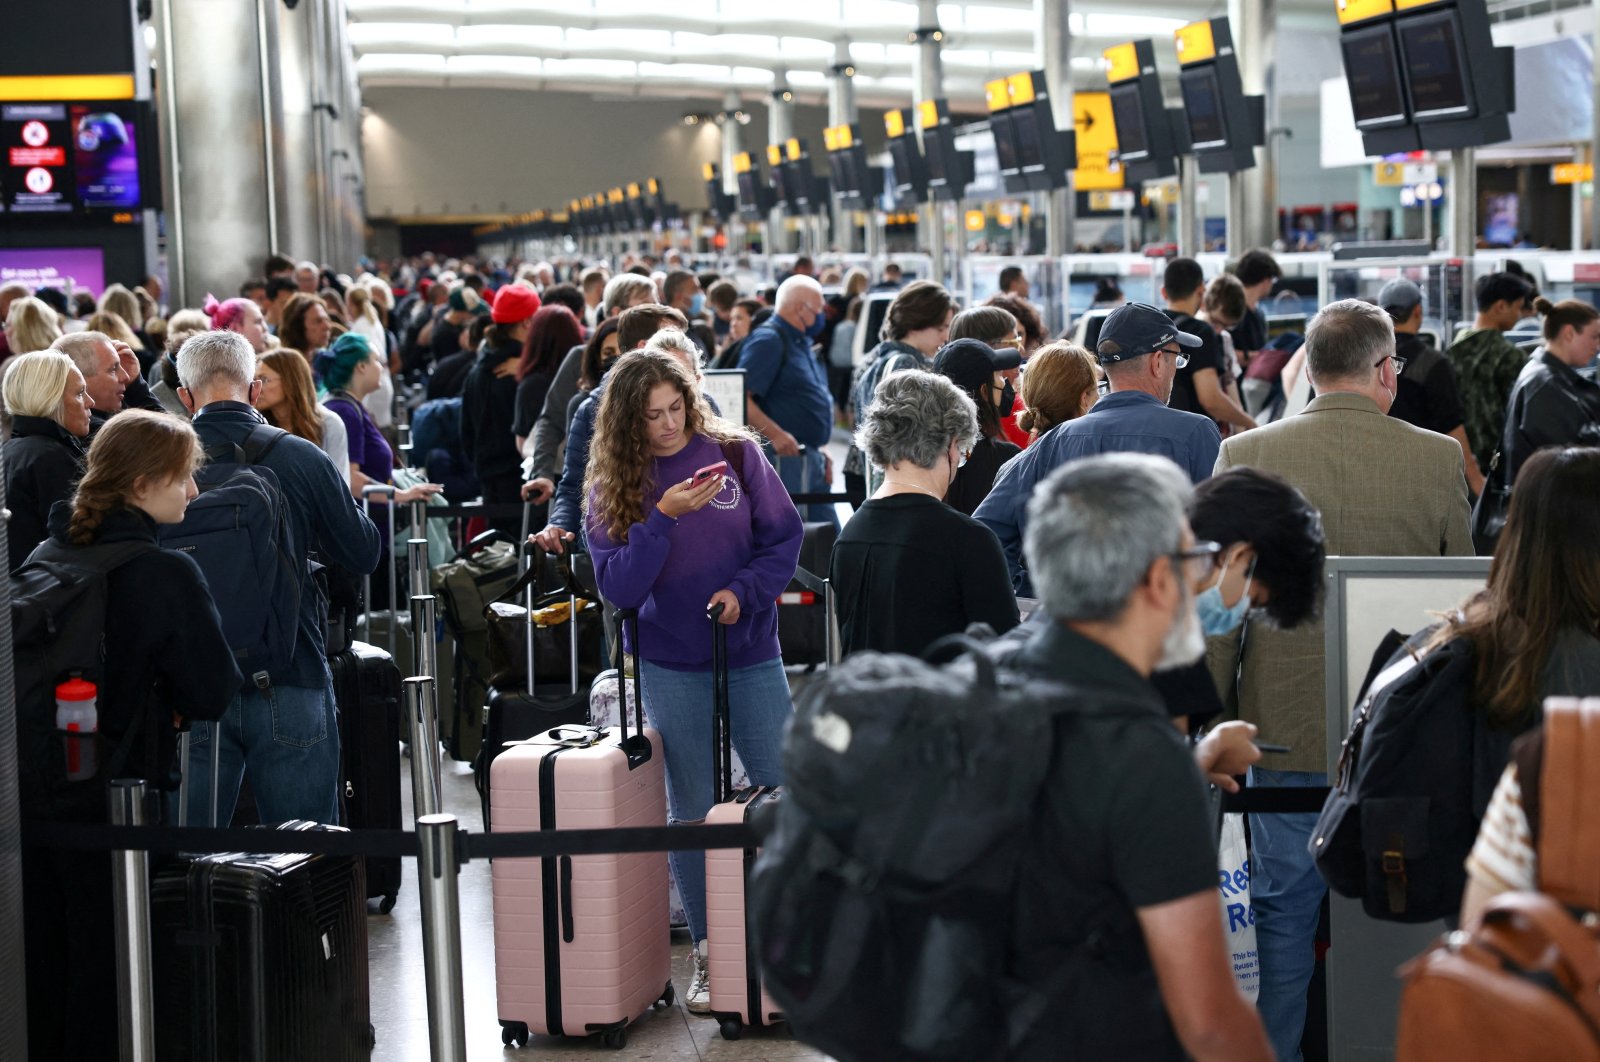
x=582, y=944
x=737, y=997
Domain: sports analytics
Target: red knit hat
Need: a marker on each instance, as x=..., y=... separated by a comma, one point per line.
x=513, y=303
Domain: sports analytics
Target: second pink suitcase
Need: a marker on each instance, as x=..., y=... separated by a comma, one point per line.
x=582, y=944
x=737, y=998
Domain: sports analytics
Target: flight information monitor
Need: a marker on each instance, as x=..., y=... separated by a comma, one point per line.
x=1372, y=69
x=1202, y=105
x=1435, y=70
x=1128, y=113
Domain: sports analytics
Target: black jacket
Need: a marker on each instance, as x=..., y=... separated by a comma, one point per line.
x=44, y=462
x=165, y=651
x=1551, y=405
x=488, y=410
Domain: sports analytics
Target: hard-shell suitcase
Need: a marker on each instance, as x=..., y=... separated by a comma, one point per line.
x=804, y=619
x=366, y=686
x=737, y=997
x=582, y=946
x=515, y=714
x=261, y=958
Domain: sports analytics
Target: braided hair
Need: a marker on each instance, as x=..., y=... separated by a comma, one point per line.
x=134, y=447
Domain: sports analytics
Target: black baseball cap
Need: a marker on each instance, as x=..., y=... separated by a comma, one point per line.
x=1399, y=297
x=1134, y=329
x=972, y=363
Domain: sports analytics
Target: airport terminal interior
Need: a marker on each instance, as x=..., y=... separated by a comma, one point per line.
x=1109, y=486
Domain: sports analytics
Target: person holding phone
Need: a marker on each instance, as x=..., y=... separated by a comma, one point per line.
x=684, y=512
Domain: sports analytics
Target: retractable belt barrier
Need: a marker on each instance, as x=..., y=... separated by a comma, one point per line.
x=1277, y=800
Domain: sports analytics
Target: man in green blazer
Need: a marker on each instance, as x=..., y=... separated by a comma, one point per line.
x=1387, y=489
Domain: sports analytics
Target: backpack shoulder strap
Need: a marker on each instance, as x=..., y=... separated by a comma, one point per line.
x=733, y=453
x=259, y=443
x=1569, y=829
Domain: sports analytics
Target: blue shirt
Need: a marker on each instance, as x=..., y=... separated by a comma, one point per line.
x=322, y=517
x=1121, y=422
x=788, y=381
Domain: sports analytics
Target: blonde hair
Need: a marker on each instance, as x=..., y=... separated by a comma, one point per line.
x=133, y=446
x=1053, y=385
x=36, y=384
x=185, y=323
x=125, y=304
x=114, y=326
x=31, y=325
x=359, y=301
x=619, y=475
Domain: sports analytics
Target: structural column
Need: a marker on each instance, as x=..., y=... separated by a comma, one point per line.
x=780, y=127
x=1055, y=59
x=929, y=70
x=842, y=111
x=1254, y=192
x=1463, y=201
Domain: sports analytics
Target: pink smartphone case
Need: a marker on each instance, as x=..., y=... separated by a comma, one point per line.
x=736, y=992
x=583, y=944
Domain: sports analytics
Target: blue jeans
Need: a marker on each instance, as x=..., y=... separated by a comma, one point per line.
x=286, y=739
x=678, y=704
x=804, y=475
x=1287, y=892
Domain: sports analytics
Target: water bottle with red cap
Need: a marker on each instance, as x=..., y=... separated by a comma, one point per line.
x=78, y=723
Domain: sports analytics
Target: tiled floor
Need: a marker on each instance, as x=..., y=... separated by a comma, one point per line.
x=399, y=1001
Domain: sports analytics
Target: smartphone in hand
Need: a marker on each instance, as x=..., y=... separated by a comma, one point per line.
x=718, y=469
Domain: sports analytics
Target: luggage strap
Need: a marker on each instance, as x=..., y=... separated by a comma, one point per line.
x=1569, y=831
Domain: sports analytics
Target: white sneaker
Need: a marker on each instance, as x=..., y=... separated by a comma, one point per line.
x=698, y=1001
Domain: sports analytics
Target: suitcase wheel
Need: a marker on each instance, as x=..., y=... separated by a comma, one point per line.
x=514, y=1031
x=732, y=1028
x=615, y=1039
x=669, y=996
x=386, y=904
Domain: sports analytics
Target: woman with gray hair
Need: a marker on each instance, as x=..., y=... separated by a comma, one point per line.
x=908, y=569
x=48, y=403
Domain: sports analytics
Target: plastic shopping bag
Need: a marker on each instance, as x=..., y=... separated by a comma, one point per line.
x=1238, y=916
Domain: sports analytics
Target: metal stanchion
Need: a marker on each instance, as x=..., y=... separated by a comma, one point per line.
x=424, y=724
x=437, y=870
x=417, y=554
x=424, y=650
x=131, y=900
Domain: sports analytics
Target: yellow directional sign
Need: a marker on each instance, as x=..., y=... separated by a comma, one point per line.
x=1196, y=43
x=1388, y=174
x=1361, y=10
x=1122, y=62
x=975, y=221
x=894, y=124
x=1097, y=141
x=1571, y=173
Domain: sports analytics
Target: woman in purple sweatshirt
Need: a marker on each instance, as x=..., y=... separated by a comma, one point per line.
x=672, y=549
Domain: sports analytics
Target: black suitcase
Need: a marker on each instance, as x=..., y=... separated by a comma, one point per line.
x=366, y=685
x=518, y=713
x=803, y=616
x=261, y=958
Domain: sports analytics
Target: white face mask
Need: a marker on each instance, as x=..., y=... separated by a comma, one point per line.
x=1185, y=642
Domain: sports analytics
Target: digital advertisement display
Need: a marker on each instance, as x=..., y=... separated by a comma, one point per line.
x=62, y=158
x=67, y=269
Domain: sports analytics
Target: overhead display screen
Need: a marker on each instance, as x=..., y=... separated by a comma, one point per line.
x=1128, y=115
x=1202, y=106
x=1003, y=125
x=61, y=158
x=1435, y=73
x=1372, y=69
x=1025, y=133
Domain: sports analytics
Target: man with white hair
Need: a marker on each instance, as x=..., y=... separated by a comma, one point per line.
x=96, y=356
x=787, y=387
x=307, y=277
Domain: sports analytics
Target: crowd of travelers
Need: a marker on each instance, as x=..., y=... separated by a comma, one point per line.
x=1115, y=514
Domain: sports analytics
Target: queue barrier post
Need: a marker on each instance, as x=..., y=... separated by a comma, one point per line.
x=130, y=870
x=438, y=870
x=424, y=729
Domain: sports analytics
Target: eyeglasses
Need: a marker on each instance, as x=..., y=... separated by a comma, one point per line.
x=1015, y=343
x=1199, y=560
x=1396, y=360
x=1179, y=357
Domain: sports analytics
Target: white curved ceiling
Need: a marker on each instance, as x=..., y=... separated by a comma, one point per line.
x=703, y=48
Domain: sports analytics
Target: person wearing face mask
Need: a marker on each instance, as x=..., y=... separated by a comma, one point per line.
x=980, y=371
x=1115, y=563
x=786, y=384
x=682, y=292
x=909, y=569
x=1385, y=489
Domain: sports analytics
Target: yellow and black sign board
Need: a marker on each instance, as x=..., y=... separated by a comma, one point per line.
x=793, y=146
x=653, y=186
x=1196, y=43
x=1406, y=5
x=741, y=162
x=975, y=221
x=633, y=190
x=1097, y=141
x=1388, y=174
x=1352, y=11
x=68, y=87
x=1122, y=63
x=894, y=124
x=1571, y=173
x=928, y=114
x=1020, y=88
x=996, y=95
x=774, y=155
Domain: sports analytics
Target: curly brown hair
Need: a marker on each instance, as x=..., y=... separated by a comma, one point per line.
x=135, y=445
x=621, y=470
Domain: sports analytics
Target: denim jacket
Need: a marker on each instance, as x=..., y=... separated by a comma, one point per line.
x=323, y=517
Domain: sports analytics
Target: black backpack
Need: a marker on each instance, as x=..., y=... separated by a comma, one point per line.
x=1414, y=779
x=882, y=898
x=58, y=631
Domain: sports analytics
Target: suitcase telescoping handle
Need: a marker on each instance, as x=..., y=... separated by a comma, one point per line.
x=623, y=616
x=721, y=717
